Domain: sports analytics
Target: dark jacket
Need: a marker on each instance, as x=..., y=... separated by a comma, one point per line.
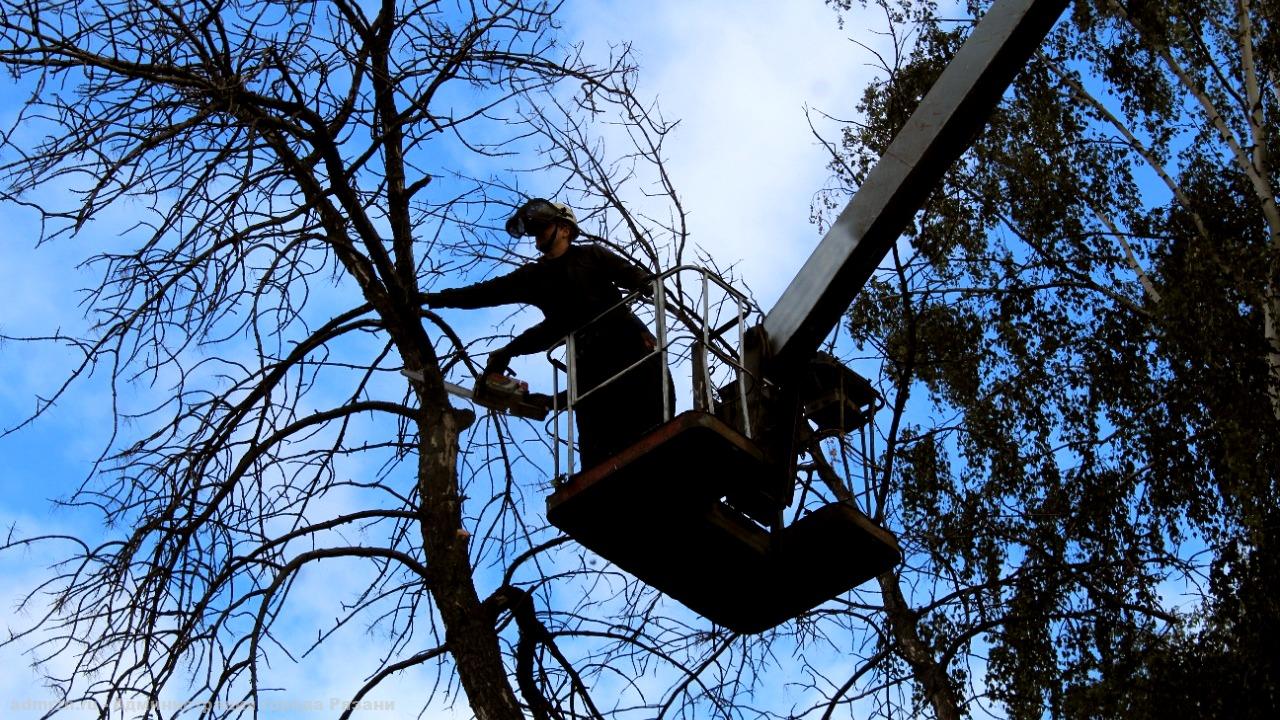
x=570, y=290
x=573, y=290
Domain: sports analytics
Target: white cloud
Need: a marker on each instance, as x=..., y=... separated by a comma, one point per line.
x=738, y=76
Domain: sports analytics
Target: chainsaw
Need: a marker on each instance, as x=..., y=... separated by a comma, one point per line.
x=496, y=391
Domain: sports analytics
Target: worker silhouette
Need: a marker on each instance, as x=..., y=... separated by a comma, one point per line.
x=578, y=287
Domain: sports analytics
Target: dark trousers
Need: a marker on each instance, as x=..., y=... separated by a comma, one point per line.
x=617, y=414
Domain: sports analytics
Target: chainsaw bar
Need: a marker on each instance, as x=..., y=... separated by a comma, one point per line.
x=509, y=403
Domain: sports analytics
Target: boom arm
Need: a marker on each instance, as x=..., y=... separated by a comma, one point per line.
x=935, y=136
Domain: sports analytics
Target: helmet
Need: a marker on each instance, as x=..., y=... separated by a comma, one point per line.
x=535, y=214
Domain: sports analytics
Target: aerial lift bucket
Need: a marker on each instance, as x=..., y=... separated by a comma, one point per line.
x=657, y=510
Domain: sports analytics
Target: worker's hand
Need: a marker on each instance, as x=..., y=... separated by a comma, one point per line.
x=539, y=399
x=499, y=360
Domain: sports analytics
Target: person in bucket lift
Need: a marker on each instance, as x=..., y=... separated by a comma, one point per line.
x=573, y=284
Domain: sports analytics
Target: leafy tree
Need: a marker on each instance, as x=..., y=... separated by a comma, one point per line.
x=1087, y=489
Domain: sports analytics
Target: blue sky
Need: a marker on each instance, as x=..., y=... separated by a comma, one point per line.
x=738, y=75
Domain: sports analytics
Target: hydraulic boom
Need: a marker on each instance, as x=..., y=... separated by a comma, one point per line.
x=937, y=133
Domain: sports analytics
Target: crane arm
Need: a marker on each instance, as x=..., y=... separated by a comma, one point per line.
x=934, y=137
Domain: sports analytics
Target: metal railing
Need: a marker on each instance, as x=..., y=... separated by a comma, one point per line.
x=703, y=311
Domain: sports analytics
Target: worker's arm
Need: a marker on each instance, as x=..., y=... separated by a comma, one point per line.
x=538, y=338
x=510, y=289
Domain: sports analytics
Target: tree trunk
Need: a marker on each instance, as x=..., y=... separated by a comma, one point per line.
x=1258, y=169
x=924, y=667
x=469, y=631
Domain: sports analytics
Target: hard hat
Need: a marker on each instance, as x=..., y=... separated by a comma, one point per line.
x=535, y=214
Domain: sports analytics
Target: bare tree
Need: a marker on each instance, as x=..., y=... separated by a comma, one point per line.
x=299, y=173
